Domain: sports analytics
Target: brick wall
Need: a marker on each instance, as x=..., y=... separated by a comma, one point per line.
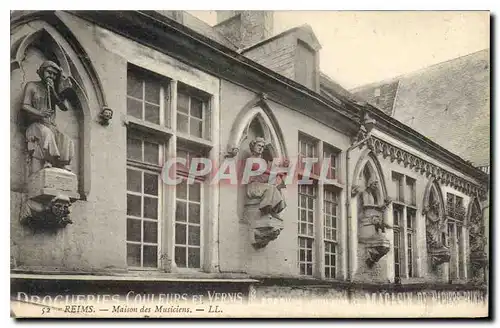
x=277, y=54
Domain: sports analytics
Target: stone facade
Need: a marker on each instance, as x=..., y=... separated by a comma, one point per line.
x=96, y=241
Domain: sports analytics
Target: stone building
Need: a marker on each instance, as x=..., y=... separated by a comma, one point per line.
x=398, y=213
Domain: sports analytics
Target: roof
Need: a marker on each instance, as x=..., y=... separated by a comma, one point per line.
x=447, y=102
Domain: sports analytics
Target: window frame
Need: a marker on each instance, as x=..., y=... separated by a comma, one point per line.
x=405, y=200
x=172, y=138
x=320, y=244
x=145, y=167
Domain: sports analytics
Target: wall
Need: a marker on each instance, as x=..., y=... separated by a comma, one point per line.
x=277, y=54
x=279, y=257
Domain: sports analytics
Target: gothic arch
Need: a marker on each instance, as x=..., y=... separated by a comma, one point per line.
x=473, y=208
x=434, y=189
x=259, y=110
x=368, y=163
x=57, y=43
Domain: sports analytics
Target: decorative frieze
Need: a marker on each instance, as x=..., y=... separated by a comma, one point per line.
x=385, y=149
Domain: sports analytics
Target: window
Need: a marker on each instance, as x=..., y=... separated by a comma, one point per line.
x=332, y=155
x=307, y=208
x=146, y=93
x=410, y=239
x=455, y=222
x=308, y=148
x=192, y=108
x=330, y=232
x=398, y=179
x=188, y=225
x=411, y=197
x=404, y=216
x=148, y=146
x=318, y=213
x=143, y=202
x=397, y=214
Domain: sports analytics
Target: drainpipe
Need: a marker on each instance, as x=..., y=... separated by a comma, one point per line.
x=365, y=129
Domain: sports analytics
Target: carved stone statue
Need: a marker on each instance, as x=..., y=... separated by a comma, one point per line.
x=477, y=241
x=271, y=200
x=435, y=226
x=47, y=146
x=55, y=214
x=372, y=214
x=266, y=196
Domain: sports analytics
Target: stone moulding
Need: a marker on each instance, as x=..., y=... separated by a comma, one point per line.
x=380, y=147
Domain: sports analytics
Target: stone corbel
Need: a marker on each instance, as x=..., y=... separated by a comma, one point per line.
x=264, y=228
x=46, y=205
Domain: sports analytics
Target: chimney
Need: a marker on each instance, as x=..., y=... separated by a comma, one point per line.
x=245, y=28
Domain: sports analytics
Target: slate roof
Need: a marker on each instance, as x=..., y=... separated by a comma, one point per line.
x=448, y=102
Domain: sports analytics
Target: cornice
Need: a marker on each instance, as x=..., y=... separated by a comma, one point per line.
x=423, y=167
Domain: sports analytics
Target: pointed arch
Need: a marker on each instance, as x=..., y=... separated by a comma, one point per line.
x=258, y=110
x=56, y=42
x=473, y=208
x=368, y=164
x=433, y=191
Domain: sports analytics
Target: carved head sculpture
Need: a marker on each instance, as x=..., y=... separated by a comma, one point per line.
x=257, y=146
x=59, y=206
x=373, y=185
x=49, y=71
x=232, y=151
x=106, y=115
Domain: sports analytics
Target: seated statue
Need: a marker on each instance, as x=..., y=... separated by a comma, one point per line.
x=47, y=146
x=271, y=199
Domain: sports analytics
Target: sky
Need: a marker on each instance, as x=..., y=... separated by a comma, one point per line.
x=361, y=47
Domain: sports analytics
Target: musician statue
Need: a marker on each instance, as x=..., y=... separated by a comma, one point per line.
x=47, y=146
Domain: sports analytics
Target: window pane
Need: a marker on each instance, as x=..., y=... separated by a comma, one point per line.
x=196, y=107
x=194, y=213
x=133, y=230
x=180, y=256
x=152, y=92
x=134, y=180
x=194, y=235
x=194, y=192
x=133, y=205
x=151, y=152
x=150, y=232
x=150, y=184
x=194, y=257
x=183, y=103
x=180, y=211
x=133, y=255
x=150, y=256
x=152, y=113
x=182, y=123
x=134, y=86
x=134, y=108
x=134, y=149
x=180, y=234
x=181, y=190
x=151, y=208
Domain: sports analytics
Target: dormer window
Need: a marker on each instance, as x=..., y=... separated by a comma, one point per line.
x=305, y=65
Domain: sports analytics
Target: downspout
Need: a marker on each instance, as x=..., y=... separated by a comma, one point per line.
x=365, y=130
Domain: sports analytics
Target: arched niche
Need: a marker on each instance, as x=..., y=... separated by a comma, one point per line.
x=435, y=224
x=367, y=170
x=31, y=44
x=477, y=238
x=256, y=117
x=370, y=194
x=434, y=195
